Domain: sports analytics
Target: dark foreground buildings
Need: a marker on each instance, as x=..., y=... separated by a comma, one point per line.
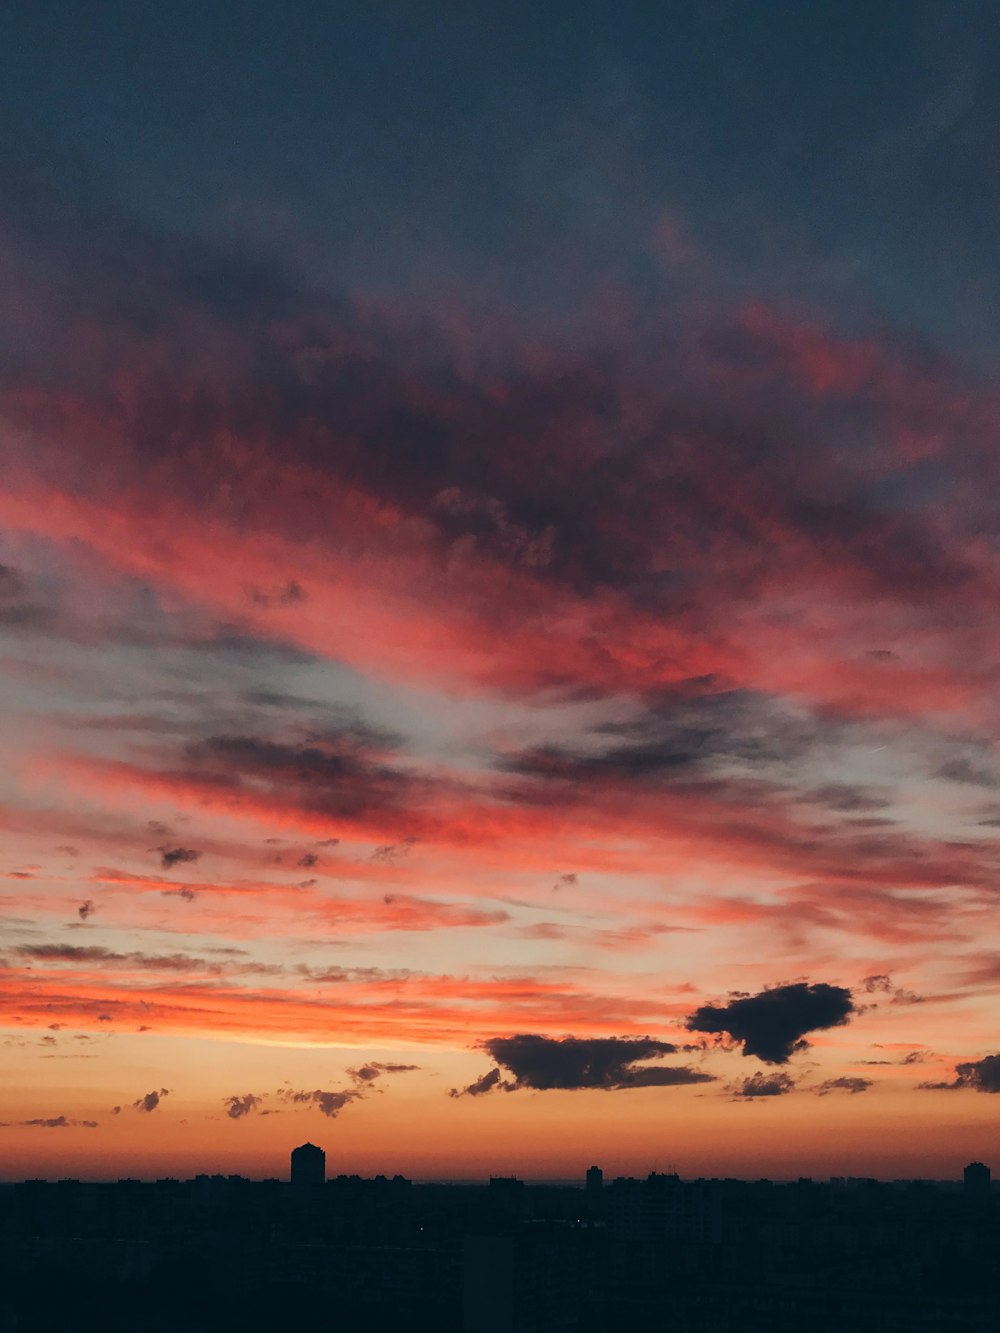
x=223, y=1254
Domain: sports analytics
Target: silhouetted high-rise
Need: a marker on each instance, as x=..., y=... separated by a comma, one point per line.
x=595, y=1180
x=308, y=1165
x=976, y=1178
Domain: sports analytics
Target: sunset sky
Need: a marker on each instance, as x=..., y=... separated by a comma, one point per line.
x=499, y=566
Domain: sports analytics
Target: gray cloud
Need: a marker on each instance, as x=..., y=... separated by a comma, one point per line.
x=329, y=1103
x=174, y=856
x=764, y=1085
x=485, y=1083
x=150, y=1101
x=610, y=1063
x=772, y=1024
x=238, y=1107
x=50, y=1122
x=374, y=1069
x=844, y=1084
x=978, y=1075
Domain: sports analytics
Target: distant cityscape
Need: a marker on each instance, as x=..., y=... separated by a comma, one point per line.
x=221, y=1252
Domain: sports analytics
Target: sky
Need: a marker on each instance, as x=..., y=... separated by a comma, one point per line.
x=499, y=553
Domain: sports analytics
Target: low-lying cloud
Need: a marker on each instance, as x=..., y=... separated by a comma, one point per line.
x=978, y=1075
x=772, y=1024
x=49, y=1122
x=764, y=1085
x=846, y=1083
x=610, y=1063
x=150, y=1101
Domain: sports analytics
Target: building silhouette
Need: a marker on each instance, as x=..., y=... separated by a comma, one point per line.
x=595, y=1180
x=308, y=1165
x=976, y=1178
x=508, y=1256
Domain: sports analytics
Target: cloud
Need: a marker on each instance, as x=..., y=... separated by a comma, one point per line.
x=51, y=1122
x=238, y=1107
x=485, y=1083
x=764, y=1085
x=374, y=1069
x=772, y=1024
x=287, y=594
x=881, y=984
x=978, y=1075
x=328, y=1103
x=685, y=732
x=967, y=772
x=86, y=909
x=878, y=983
x=844, y=1084
x=173, y=856
x=150, y=1101
x=331, y=1103
x=97, y=956
x=392, y=851
x=610, y=1063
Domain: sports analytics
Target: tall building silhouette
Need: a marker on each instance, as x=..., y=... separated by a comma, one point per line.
x=976, y=1178
x=308, y=1165
x=595, y=1180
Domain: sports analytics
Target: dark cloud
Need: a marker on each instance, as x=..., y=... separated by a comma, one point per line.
x=12, y=584
x=847, y=798
x=345, y=773
x=584, y=1062
x=686, y=733
x=881, y=984
x=307, y=861
x=374, y=1069
x=173, y=856
x=877, y=984
x=51, y=1122
x=17, y=609
x=286, y=594
x=764, y=1085
x=978, y=1075
x=150, y=1101
x=486, y=1083
x=392, y=851
x=967, y=772
x=98, y=956
x=772, y=1024
x=238, y=1107
x=845, y=1083
x=86, y=909
x=329, y=1103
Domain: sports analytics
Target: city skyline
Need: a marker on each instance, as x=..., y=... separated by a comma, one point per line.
x=975, y=1177
x=498, y=587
